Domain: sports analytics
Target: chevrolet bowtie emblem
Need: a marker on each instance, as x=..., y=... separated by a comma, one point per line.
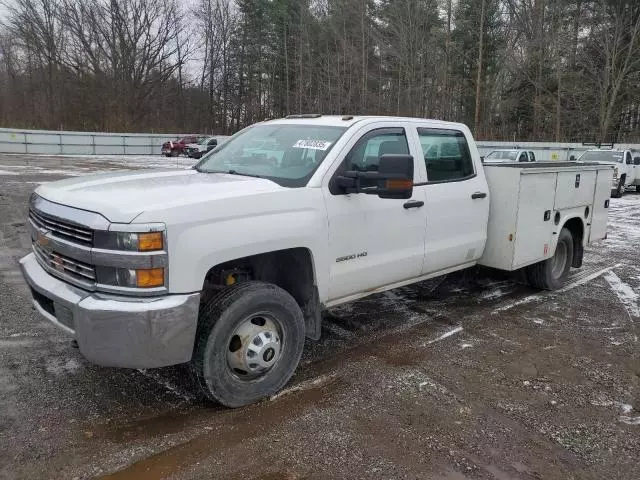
x=42, y=240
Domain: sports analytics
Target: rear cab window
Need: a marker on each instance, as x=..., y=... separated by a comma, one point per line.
x=446, y=155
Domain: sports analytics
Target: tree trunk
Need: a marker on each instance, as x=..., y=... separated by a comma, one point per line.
x=476, y=122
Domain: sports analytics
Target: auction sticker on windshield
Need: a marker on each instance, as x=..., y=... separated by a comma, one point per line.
x=312, y=144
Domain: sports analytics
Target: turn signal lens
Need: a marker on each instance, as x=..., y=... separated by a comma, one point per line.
x=149, y=241
x=399, y=184
x=150, y=278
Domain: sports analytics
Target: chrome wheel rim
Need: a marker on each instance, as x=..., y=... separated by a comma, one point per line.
x=559, y=260
x=255, y=347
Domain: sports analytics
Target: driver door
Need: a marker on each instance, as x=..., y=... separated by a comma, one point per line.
x=374, y=242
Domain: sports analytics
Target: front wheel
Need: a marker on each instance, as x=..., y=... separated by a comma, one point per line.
x=248, y=344
x=551, y=274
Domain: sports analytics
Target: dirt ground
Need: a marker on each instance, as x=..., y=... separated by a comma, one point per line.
x=473, y=376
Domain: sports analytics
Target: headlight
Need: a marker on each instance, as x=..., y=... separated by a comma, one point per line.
x=130, y=278
x=615, y=172
x=130, y=242
x=130, y=257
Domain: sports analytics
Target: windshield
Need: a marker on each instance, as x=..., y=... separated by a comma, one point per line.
x=602, y=156
x=503, y=155
x=204, y=140
x=287, y=154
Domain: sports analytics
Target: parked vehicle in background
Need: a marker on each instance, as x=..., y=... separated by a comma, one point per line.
x=510, y=155
x=176, y=147
x=626, y=172
x=206, y=144
x=229, y=265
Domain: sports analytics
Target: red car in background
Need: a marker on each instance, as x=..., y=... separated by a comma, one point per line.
x=173, y=148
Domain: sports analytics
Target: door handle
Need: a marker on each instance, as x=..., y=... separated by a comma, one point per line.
x=477, y=195
x=413, y=204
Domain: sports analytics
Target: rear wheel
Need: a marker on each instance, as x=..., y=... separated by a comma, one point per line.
x=249, y=342
x=552, y=273
x=620, y=190
x=175, y=152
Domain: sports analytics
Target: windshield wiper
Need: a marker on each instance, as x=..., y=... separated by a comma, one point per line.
x=229, y=172
x=233, y=172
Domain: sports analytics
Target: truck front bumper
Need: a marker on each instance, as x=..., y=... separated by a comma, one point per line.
x=116, y=331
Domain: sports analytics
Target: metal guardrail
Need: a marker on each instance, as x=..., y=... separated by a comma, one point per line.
x=99, y=143
x=80, y=143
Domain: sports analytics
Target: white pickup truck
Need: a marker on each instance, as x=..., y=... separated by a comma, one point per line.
x=626, y=172
x=229, y=265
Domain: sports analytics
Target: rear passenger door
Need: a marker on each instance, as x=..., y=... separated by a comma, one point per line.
x=457, y=200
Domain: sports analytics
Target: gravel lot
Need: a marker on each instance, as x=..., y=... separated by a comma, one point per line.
x=473, y=376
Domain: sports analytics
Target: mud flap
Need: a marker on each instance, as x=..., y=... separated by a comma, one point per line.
x=313, y=315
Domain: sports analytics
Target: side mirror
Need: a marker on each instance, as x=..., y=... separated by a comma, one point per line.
x=482, y=159
x=396, y=176
x=572, y=158
x=636, y=161
x=394, y=179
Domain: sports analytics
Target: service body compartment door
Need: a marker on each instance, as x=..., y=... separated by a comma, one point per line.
x=601, y=205
x=534, y=227
x=575, y=189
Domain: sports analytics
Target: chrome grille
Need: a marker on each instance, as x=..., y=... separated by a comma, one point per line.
x=60, y=228
x=56, y=263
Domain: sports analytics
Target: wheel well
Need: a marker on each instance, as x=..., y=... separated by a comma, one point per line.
x=290, y=269
x=576, y=227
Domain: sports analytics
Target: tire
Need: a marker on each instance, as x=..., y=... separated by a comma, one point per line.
x=175, y=153
x=620, y=190
x=221, y=362
x=551, y=274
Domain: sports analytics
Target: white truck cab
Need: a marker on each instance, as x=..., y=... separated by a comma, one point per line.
x=228, y=266
x=626, y=172
x=510, y=155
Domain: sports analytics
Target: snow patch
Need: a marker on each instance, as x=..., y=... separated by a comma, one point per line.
x=627, y=296
x=494, y=294
x=24, y=334
x=630, y=420
x=166, y=384
x=444, y=335
x=538, y=296
x=60, y=367
x=306, y=385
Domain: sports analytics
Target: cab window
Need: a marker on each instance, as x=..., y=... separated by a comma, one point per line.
x=446, y=155
x=365, y=155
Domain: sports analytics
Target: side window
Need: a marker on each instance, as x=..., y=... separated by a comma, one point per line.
x=523, y=157
x=446, y=155
x=365, y=155
x=532, y=157
x=213, y=142
x=629, y=159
